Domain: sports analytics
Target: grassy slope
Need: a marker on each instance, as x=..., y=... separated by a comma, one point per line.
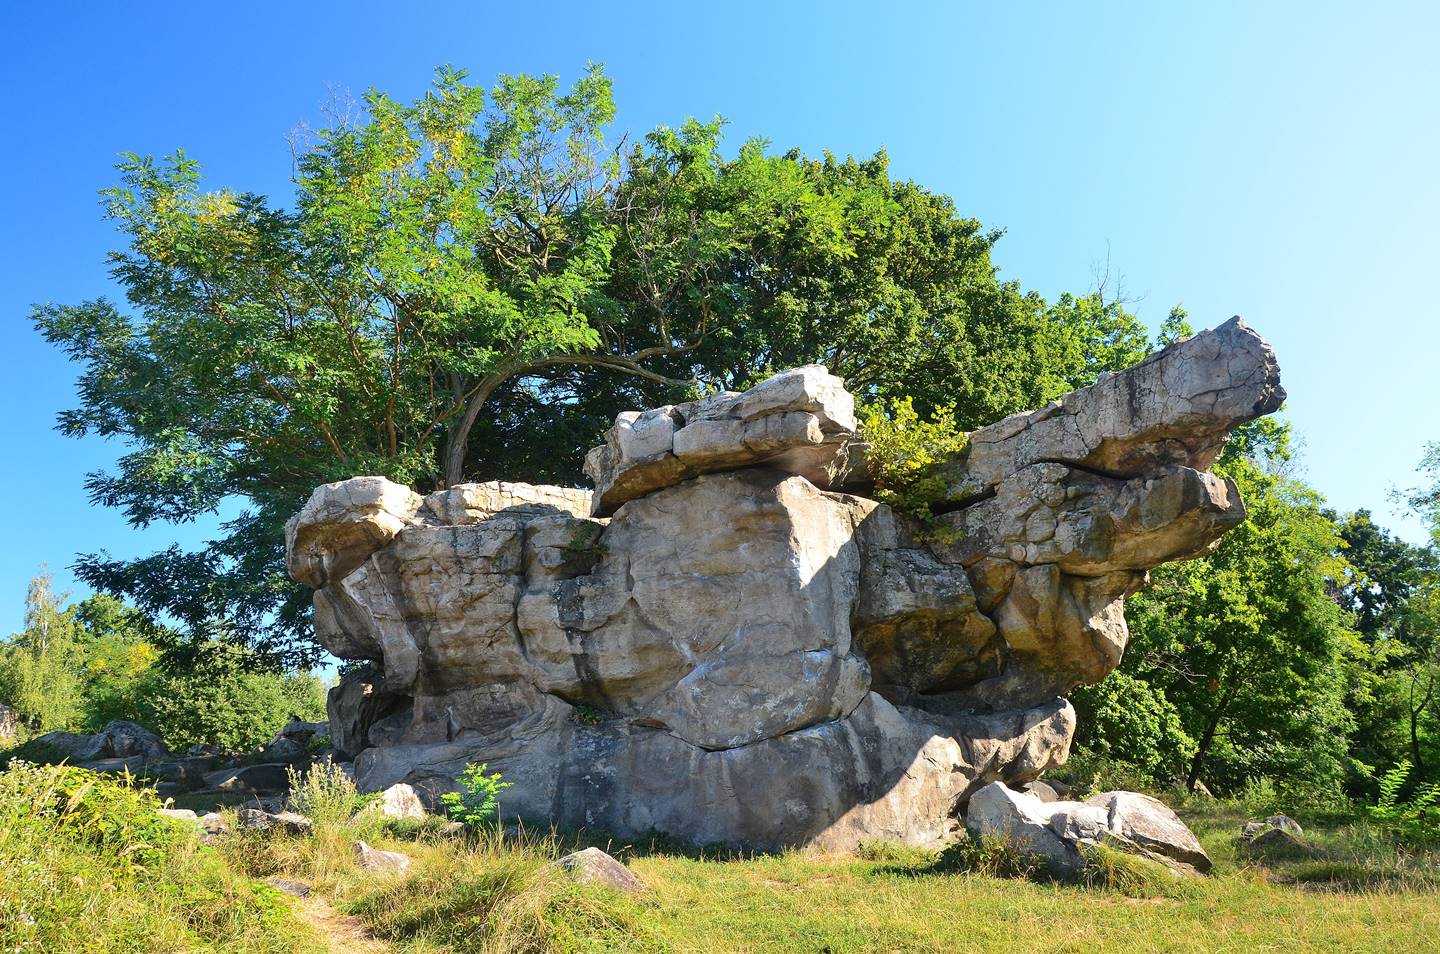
x=462, y=895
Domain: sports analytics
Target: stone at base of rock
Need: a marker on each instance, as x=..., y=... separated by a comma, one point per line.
x=593, y=866
x=296, y=889
x=1055, y=832
x=260, y=820
x=265, y=777
x=373, y=859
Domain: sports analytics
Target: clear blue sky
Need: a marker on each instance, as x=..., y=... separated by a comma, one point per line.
x=1278, y=160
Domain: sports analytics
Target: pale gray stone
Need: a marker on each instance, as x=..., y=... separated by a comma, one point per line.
x=1055, y=832
x=797, y=421
x=258, y=819
x=398, y=801
x=1148, y=822
x=593, y=866
x=374, y=859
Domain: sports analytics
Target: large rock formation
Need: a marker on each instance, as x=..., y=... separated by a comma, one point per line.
x=723, y=645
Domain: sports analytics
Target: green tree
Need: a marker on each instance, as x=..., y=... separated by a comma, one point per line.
x=1130, y=720
x=218, y=699
x=1425, y=500
x=40, y=675
x=469, y=287
x=1248, y=643
x=1390, y=586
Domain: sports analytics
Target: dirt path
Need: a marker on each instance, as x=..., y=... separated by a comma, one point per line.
x=343, y=933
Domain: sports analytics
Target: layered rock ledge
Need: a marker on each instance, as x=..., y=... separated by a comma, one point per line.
x=723, y=645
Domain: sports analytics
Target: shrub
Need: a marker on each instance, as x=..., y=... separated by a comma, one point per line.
x=90, y=865
x=1127, y=720
x=478, y=800
x=220, y=701
x=904, y=458
x=325, y=794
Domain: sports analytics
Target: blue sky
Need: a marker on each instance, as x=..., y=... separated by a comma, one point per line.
x=1275, y=160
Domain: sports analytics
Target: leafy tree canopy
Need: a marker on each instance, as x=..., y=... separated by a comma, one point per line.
x=470, y=286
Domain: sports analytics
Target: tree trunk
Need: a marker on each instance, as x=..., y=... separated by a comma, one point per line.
x=1206, y=740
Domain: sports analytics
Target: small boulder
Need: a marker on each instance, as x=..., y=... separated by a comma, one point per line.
x=301, y=731
x=265, y=777
x=1054, y=832
x=214, y=823
x=373, y=859
x=593, y=866
x=1150, y=823
x=1047, y=790
x=1254, y=829
x=1278, y=833
x=296, y=889
x=72, y=747
x=257, y=819
x=1000, y=812
x=398, y=801
x=286, y=750
x=126, y=739
x=180, y=815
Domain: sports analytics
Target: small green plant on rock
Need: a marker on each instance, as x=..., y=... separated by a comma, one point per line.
x=478, y=800
x=905, y=456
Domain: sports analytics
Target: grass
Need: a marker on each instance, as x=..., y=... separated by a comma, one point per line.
x=486, y=891
x=88, y=866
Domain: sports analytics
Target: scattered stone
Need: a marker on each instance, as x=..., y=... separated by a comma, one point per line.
x=1253, y=829
x=301, y=731
x=287, y=751
x=204, y=750
x=125, y=739
x=1148, y=822
x=720, y=645
x=452, y=829
x=373, y=859
x=1278, y=833
x=593, y=866
x=1047, y=790
x=260, y=820
x=1054, y=832
x=398, y=801
x=181, y=815
x=296, y=889
x=214, y=823
x=264, y=777
x=118, y=740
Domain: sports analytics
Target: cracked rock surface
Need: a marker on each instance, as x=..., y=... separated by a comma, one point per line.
x=721, y=645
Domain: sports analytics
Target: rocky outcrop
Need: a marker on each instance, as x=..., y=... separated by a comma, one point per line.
x=724, y=645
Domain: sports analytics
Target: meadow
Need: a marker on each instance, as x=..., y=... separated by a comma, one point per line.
x=92, y=868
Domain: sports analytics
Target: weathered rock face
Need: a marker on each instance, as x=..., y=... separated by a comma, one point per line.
x=722, y=645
